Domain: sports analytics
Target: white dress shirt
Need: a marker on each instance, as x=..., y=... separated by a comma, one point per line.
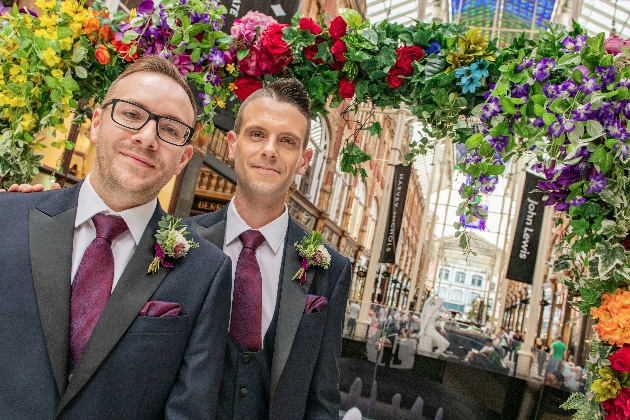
x=269, y=256
x=124, y=245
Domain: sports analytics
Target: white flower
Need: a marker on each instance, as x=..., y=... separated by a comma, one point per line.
x=181, y=245
x=322, y=257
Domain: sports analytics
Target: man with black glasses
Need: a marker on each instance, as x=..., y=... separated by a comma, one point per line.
x=87, y=331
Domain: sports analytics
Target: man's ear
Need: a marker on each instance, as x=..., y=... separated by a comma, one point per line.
x=231, y=139
x=96, y=123
x=307, y=156
x=186, y=155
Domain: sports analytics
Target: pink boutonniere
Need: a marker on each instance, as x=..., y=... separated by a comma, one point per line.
x=313, y=253
x=170, y=243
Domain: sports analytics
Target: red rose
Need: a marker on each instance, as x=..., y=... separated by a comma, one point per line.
x=620, y=360
x=338, y=49
x=336, y=65
x=394, y=79
x=245, y=86
x=124, y=50
x=406, y=57
x=618, y=408
x=272, y=39
x=102, y=55
x=308, y=24
x=346, y=88
x=337, y=27
x=310, y=53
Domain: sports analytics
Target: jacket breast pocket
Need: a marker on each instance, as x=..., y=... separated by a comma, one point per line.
x=159, y=325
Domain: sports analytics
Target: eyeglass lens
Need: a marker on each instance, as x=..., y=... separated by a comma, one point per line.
x=132, y=116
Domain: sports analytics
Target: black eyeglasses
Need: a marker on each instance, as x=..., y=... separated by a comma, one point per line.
x=134, y=117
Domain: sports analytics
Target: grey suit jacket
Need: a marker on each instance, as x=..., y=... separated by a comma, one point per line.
x=133, y=367
x=304, y=371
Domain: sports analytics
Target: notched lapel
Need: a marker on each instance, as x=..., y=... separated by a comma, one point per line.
x=133, y=290
x=292, y=302
x=50, y=243
x=214, y=233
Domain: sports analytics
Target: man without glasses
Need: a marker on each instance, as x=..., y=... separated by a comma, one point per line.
x=154, y=348
x=285, y=338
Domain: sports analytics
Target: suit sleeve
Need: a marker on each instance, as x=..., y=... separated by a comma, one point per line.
x=324, y=400
x=195, y=393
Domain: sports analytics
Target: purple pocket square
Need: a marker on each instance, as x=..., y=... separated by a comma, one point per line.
x=315, y=303
x=156, y=308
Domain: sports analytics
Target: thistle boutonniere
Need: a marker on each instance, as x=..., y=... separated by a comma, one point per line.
x=170, y=243
x=313, y=253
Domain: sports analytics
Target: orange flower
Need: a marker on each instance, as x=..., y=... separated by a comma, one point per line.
x=614, y=318
x=105, y=33
x=91, y=28
x=127, y=52
x=102, y=54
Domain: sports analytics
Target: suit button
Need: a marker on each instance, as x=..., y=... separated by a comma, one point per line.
x=243, y=392
x=246, y=358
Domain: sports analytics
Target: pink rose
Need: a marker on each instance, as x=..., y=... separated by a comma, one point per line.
x=620, y=360
x=613, y=45
x=181, y=246
x=337, y=27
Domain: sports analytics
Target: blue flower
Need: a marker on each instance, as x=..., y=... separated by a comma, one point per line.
x=470, y=78
x=434, y=48
x=481, y=66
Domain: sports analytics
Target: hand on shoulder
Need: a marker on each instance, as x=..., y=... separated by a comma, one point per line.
x=27, y=188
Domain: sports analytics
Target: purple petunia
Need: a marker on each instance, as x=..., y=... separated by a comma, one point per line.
x=216, y=57
x=492, y=108
x=497, y=143
x=524, y=64
x=542, y=69
x=596, y=182
x=577, y=201
x=538, y=122
x=607, y=74
x=614, y=129
x=622, y=148
x=582, y=112
x=590, y=85
x=488, y=183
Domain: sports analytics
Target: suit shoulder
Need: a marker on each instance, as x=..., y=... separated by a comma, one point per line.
x=208, y=248
x=21, y=201
x=207, y=219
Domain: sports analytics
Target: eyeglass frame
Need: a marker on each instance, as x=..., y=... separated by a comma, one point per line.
x=151, y=116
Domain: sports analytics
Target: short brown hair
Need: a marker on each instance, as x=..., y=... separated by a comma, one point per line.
x=290, y=91
x=159, y=65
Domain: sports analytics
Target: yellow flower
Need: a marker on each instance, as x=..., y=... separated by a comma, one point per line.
x=61, y=128
x=230, y=67
x=56, y=73
x=66, y=44
x=457, y=60
x=17, y=75
x=49, y=20
x=28, y=122
x=45, y=5
x=50, y=57
x=475, y=44
x=607, y=386
x=220, y=103
x=132, y=13
x=232, y=87
x=69, y=7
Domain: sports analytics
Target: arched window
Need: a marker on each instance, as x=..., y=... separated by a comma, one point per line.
x=371, y=227
x=477, y=280
x=309, y=184
x=357, y=209
x=456, y=296
x=460, y=277
x=341, y=185
x=444, y=274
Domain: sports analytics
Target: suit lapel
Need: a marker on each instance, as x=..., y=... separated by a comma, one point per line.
x=292, y=302
x=214, y=233
x=51, y=227
x=132, y=291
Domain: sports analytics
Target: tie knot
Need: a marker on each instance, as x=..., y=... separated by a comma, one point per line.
x=109, y=227
x=252, y=239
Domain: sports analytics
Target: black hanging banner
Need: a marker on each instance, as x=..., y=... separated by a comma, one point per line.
x=525, y=247
x=395, y=215
x=280, y=10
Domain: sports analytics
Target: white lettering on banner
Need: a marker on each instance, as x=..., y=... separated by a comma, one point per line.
x=529, y=220
x=392, y=223
x=235, y=7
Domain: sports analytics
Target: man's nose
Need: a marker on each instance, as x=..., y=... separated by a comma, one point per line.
x=147, y=135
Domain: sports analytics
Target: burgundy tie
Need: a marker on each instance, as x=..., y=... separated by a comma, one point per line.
x=245, y=324
x=93, y=282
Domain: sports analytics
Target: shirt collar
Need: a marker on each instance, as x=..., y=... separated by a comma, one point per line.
x=89, y=204
x=274, y=231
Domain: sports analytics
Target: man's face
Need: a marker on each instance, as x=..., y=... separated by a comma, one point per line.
x=136, y=164
x=268, y=152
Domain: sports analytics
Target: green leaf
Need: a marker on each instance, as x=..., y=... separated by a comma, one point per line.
x=606, y=163
x=594, y=128
x=539, y=110
x=352, y=17
x=579, y=227
x=242, y=54
x=507, y=105
x=195, y=55
x=78, y=54
x=474, y=140
x=69, y=83
x=63, y=32
x=610, y=229
x=495, y=169
x=375, y=128
x=609, y=256
x=577, y=76
x=549, y=118
x=589, y=295
x=51, y=82
x=81, y=72
x=539, y=99
x=370, y=35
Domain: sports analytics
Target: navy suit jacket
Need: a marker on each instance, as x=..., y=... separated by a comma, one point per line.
x=134, y=367
x=304, y=371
